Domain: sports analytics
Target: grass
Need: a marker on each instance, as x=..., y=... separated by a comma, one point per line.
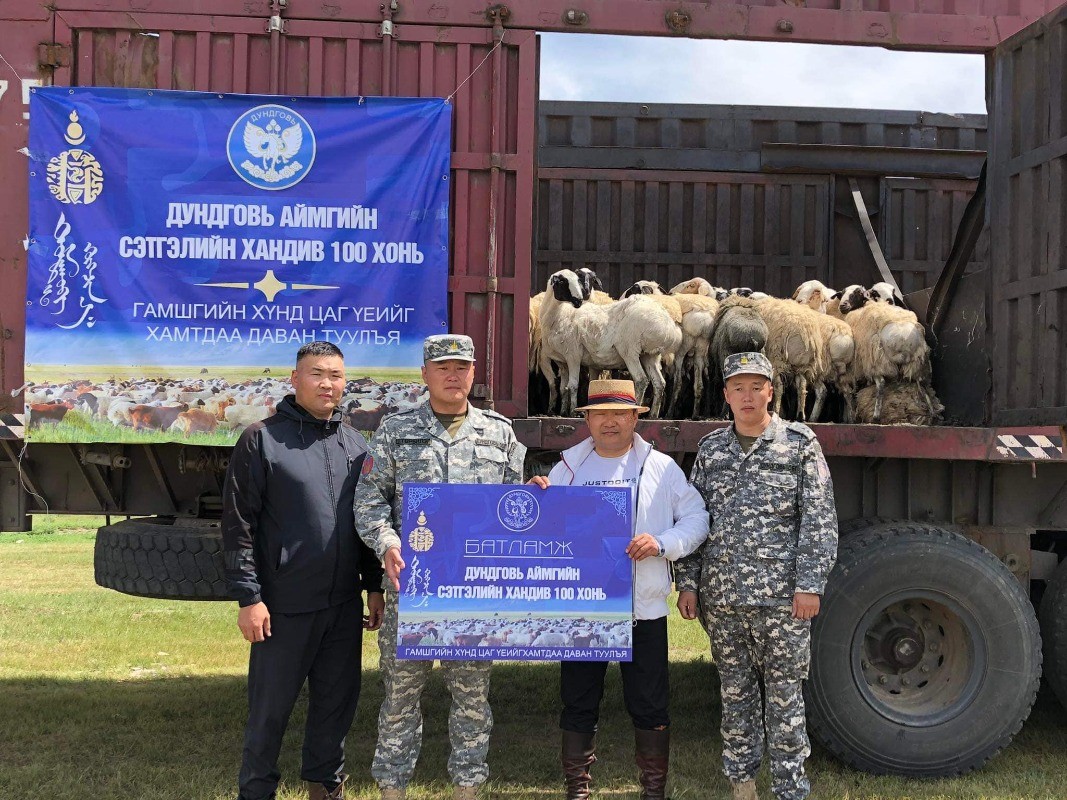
x=106, y=697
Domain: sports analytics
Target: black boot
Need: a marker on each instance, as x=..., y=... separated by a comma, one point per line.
x=652, y=755
x=577, y=757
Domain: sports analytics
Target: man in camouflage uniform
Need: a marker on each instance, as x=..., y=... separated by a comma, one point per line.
x=757, y=580
x=445, y=440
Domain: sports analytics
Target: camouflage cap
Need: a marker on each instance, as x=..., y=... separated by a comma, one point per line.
x=446, y=346
x=747, y=364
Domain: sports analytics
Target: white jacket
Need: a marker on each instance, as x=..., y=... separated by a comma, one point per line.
x=667, y=507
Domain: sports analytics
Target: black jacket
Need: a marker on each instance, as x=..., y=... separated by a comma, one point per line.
x=287, y=523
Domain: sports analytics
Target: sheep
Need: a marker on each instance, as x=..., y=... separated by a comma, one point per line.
x=849, y=299
x=794, y=347
x=697, y=315
x=814, y=294
x=700, y=286
x=840, y=348
x=902, y=404
x=887, y=293
x=669, y=303
x=592, y=288
x=738, y=328
x=890, y=345
x=634, y=334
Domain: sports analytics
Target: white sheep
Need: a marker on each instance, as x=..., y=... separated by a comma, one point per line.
x=697, y=317
x=902, y=404
x=700, y=286
x=840, y=348
x=794, y=347
x=886, y=293
x=738, y=328
x=632, y=334
x=890, y=346
x=814, y=294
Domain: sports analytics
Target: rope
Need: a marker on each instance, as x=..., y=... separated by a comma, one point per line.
x=480, y=65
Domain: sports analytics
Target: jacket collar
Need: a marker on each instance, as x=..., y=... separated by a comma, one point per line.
x=476, y=421
x=574, y=457
x=289, y=408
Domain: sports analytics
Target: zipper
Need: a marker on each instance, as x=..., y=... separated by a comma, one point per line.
x=633, y=564
x=333, y=505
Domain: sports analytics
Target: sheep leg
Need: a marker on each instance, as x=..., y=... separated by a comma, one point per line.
x=779, y=388
x=677, y=373
x=570, y=397
x=849, y=393
x=802, y=397
x=650, y=363
x=700, y=363
x=546, y=367
x=820, y=398
x=879, y=391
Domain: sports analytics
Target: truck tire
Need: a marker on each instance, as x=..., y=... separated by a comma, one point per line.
x=1053, y=617
x=926, y=656
x=158, y=557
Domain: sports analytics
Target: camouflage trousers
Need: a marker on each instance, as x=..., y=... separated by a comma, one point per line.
x=762, y=647
x=400, y=719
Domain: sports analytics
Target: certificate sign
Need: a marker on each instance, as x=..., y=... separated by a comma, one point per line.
x=516, y=572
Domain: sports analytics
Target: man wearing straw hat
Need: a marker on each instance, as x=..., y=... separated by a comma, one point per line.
x=670, y=522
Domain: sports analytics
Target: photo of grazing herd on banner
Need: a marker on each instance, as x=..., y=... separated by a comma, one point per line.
x=200, y=410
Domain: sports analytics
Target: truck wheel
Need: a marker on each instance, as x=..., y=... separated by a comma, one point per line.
x=1054, y=632
x=926, y=656
x=158, y=557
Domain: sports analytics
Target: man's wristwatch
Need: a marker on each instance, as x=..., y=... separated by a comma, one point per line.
x=662, y=551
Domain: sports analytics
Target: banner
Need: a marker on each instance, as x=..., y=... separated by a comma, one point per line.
x=516, y=572
x=184, y=245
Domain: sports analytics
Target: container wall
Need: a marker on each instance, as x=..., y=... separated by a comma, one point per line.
x=1028, y=205
x=665, y=193
x=24, y=26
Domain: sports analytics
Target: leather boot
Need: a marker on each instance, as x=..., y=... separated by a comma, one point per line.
x=464, y=792
x=393, y=793
x=577, y=756
x=746, y=790
x=652, y=755
x=319, y=791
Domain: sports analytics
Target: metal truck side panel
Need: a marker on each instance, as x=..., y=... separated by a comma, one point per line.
x=1028, y=202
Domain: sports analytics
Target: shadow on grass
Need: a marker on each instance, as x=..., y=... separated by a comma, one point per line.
x=180, y=738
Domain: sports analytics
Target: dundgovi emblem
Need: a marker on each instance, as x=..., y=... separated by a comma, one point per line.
x=75, y=176
x=518, y=510
x=271, y=147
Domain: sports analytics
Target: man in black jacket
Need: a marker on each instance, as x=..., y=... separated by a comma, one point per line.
x=297, y=569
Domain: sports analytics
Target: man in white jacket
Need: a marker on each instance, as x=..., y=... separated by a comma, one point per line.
x=670, y=522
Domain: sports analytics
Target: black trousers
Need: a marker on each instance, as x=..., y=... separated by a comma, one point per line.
x=324, y=648
x=645, y=683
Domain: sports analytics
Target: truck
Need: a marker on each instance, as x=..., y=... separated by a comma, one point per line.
x=949, y=600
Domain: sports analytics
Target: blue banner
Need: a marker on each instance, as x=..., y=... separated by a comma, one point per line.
x=516, y=572
x=183, y=246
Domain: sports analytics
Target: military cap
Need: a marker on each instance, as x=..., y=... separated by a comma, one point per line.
x=447, y=346
x=747, y=364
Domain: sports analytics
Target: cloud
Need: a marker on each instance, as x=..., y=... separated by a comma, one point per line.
x=636, y=69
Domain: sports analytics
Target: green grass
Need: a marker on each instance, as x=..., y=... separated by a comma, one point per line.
x=78, y=427
x=104, y=696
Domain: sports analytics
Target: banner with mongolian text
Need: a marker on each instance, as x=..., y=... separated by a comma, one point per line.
x=516, y=572
x=184, y=245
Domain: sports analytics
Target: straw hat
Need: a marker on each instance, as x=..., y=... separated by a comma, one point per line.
x=604, y=395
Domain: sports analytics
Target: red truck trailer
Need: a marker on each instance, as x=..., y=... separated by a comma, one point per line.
x=928, y=654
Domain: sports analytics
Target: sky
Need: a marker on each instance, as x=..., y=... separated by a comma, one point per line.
x=661, y=70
